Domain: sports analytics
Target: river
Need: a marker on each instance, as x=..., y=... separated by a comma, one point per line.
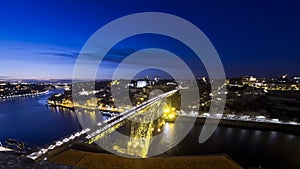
x=28, y=119
x=250, y=148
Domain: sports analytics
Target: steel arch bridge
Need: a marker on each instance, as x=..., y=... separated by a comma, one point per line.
x=140, y=133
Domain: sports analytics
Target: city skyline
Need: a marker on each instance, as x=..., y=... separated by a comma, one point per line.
x=43, y=40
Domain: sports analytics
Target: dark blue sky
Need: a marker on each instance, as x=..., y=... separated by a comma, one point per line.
x=41, y=39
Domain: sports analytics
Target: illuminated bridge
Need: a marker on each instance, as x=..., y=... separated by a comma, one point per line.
x=140, y=135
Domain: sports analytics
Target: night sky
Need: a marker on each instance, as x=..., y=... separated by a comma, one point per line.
x=42, y=39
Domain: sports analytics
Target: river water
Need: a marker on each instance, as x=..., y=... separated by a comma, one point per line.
x=250, y=148
x=30, y=120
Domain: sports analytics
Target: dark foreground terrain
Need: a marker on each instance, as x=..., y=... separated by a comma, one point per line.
x=89, y=160
x=11, y=161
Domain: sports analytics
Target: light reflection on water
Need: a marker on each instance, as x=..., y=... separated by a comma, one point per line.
x=249, y=148
x=168, y=133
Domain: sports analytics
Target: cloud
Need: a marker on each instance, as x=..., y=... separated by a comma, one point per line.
x=27, y=60
x=48, y=61
x=60, y=54
x=5, y=77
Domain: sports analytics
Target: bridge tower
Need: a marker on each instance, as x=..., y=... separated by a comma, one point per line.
x=142, y=130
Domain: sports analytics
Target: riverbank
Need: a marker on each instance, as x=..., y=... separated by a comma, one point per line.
x=23, y=95
x=286, y=128
x=247, y=124
x=73, y=107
